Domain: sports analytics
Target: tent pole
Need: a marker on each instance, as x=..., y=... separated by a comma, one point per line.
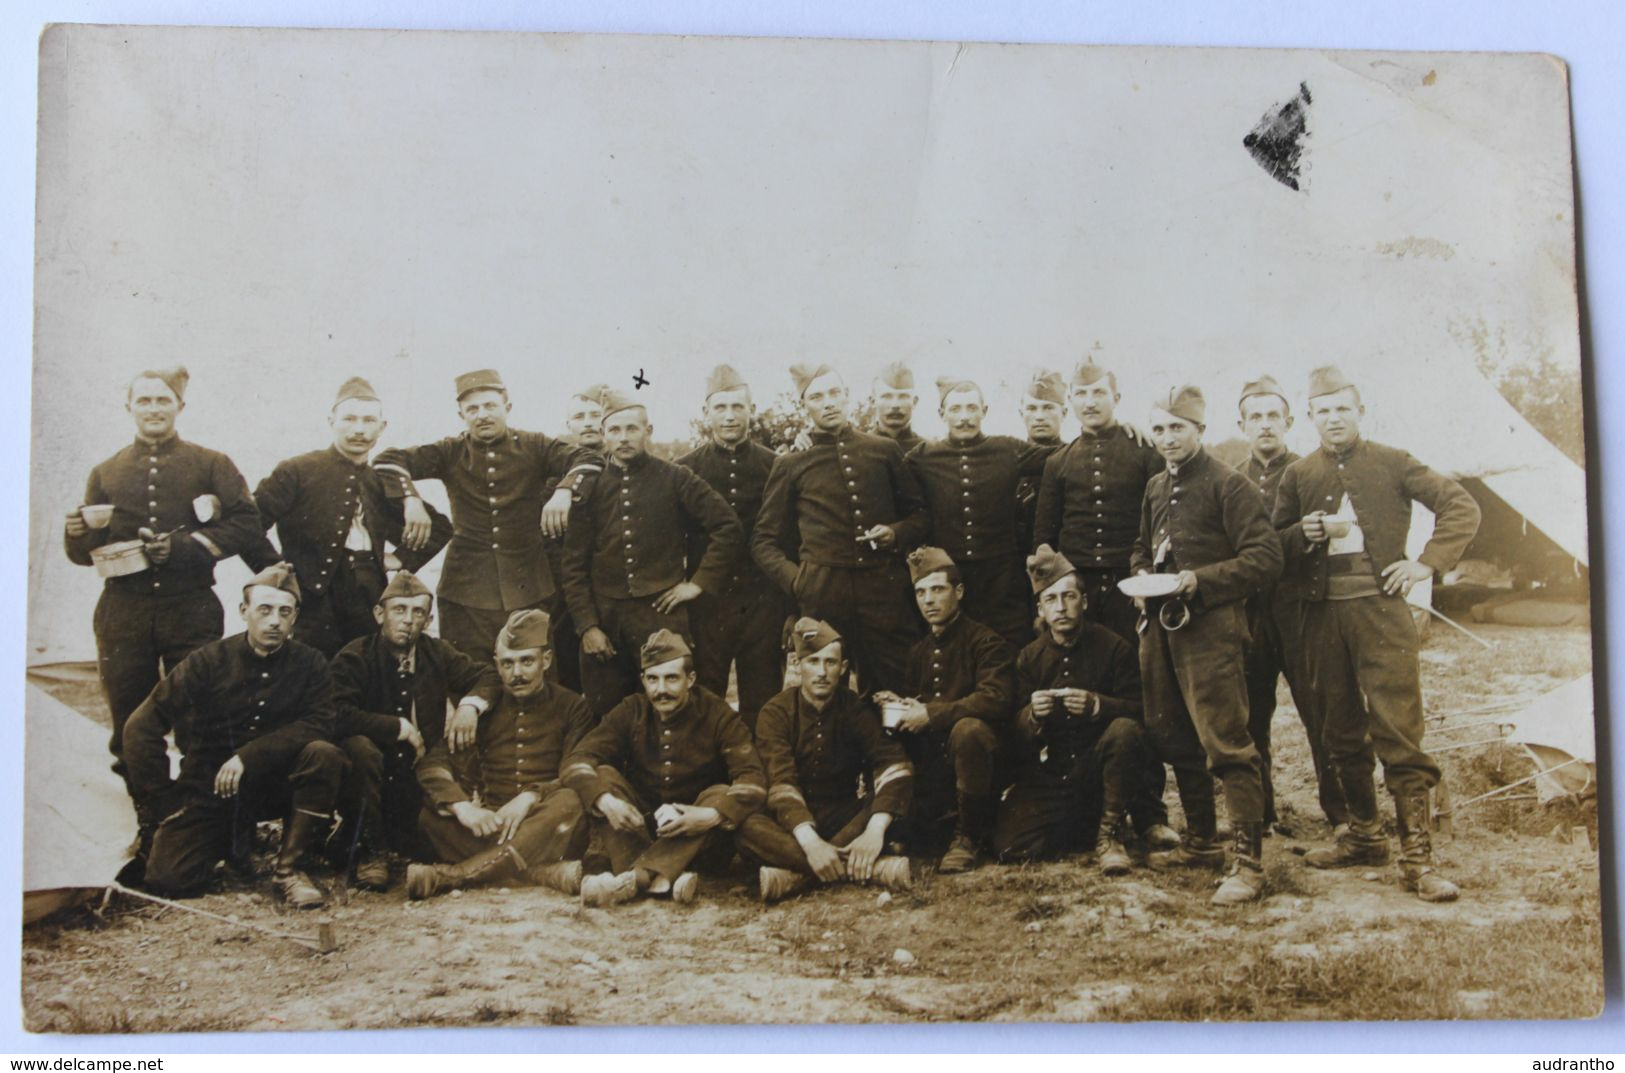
x=1452, y=622
x=324, y=942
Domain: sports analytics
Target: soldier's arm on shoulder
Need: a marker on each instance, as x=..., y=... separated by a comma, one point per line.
x=237, y=527
x=467, y=676
x=575, y=465
x=400, y=466
x=1456, y=514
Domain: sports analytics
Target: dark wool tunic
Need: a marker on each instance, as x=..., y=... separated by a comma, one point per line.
x=373, y=694
x=964, y=674
x=520, y=746
x=702, y=744
x=971, y=491
x=739, y=475
x=1089, y=499
x=1095, y=659
x=814, y=759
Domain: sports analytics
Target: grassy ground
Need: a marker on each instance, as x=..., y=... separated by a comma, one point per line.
x=1038, y=942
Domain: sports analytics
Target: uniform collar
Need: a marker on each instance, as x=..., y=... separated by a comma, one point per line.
x=536, y=700
x=254, y=654
x=1106, y=433
x=1053, y=441
x=337, y=455
x=1278, y=462
x=737, y=449
x=904, y=433
x=951, y=628
x=1345, y=453
x=1077, y=636
x=965, y=445
x=628, y=467
x=163, y=446
x=818, y=435
x=1191, y=466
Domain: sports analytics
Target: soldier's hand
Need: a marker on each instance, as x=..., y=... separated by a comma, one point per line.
x=1077, y=701
x=480, y=821
x=156, y=547
x=511, y=815
x=229, y=777
x=76, y=524
x=674, y=597
x=1136, y=435
x=690, y=820
x=1043, y=703
x=881, y=536
x=415, y=531
x=462, y=727
x=1187, y=583
x=392, y=562
x=861, y=854
x=802, y=441
x=621, y=816
x=1401, y=576
x=1313, y=531
x=556, y=513
x=824, y=858
x=409, y=733
x=595, y=642
x=915, y=718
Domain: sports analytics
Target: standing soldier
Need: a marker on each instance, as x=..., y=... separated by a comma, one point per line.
x=847, y=508
x=624, y=571
x=1043, y=410
x=252, y=713
x=190, y=508
x=1084, y=752
x=1343, y=513
x=954, y=720
x=1275, y=616
x=971, y=485
x=667, y=776
x=894, y=401
x=738, y=625
x=391, y=689
x=526, y=822
x=496, y=478
x=1205, y=523
x=836, y=782
x=332, y=518
x=1089, y=498
x=584, y=427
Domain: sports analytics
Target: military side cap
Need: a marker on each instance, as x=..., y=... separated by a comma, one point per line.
x=1185, y=401
x=1046, y=566
x=404, y=586
x=593, y=393
x=723, y=378
x=947, y=385
x=276, y=576
x=898, y=376
x=1087, y=372
x=614, y=401
x=925, y=561
x=804, y=374
x=1047, y=387
x=528, y=628
x=480, y=380
x=811, y=635
x=1326, y=380
x=1264, y=385
x=355, y=388
x=663, y=646
x=175, y=377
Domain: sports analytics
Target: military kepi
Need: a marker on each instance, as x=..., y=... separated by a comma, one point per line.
x=804, y=374
x=1047, y=387
x=405, y=585
x=1046, y=566
x=723, y=378
x=527, y=628
x=811, y=636
x=925, y=561
x=898, y=376
x=663, y=646
x=480, y=380
x=355, y=388
x=1184, y=401
x=276, y=576
x=1326, y=380
x=1264, y=385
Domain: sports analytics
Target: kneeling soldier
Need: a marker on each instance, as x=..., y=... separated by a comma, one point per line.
x=252, y=712
x=1085, y=748
x=669, y=773
x=527, y=822
x=1206, y=523
x=391, y=689
x=817, y=742
x=960, y=678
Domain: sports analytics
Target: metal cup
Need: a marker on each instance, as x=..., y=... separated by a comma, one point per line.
x=97, y=515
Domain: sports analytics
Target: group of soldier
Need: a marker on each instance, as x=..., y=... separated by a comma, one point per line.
x=998, y=646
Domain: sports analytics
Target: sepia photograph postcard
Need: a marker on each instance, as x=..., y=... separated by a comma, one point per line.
x=535, y=529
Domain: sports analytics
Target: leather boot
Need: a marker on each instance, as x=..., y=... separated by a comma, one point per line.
x=1416, y=849
x=301, y=832
x=779, y=883
x=893, y=873
x=563, y=876
x=975, y=818
x=1361, y=841
x=1110, y=856
x=1199, y=848
x=1245, y=883
x=608, y=888
x=487, y=866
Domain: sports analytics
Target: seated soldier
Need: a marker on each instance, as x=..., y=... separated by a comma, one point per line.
x=816, y=743
x=252, y=712
x=960, y=676
x=391, y=689
x=526, y=823
x=667, y=775
x=1084, y=749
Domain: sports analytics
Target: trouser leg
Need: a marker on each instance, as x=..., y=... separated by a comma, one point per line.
x=1171, y=732
x=1332, y=681
x=610, y=847
x=1108, y=606
x=670, y=857
x=188, y=844
x=1262, y=665
x=554, y=831
x=1121, y=756
x=1041, y=817
x=763, y=840
x=472, y=629
x=873, y=608
x=936, y=800
x=1207, y=658
x=448, y=839
x=1288, y=619
x=996, y=595
x=360, y=801
x=627, y=624
x=1383, y=643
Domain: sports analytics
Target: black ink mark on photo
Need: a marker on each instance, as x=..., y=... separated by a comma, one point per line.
x=1277, y=141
